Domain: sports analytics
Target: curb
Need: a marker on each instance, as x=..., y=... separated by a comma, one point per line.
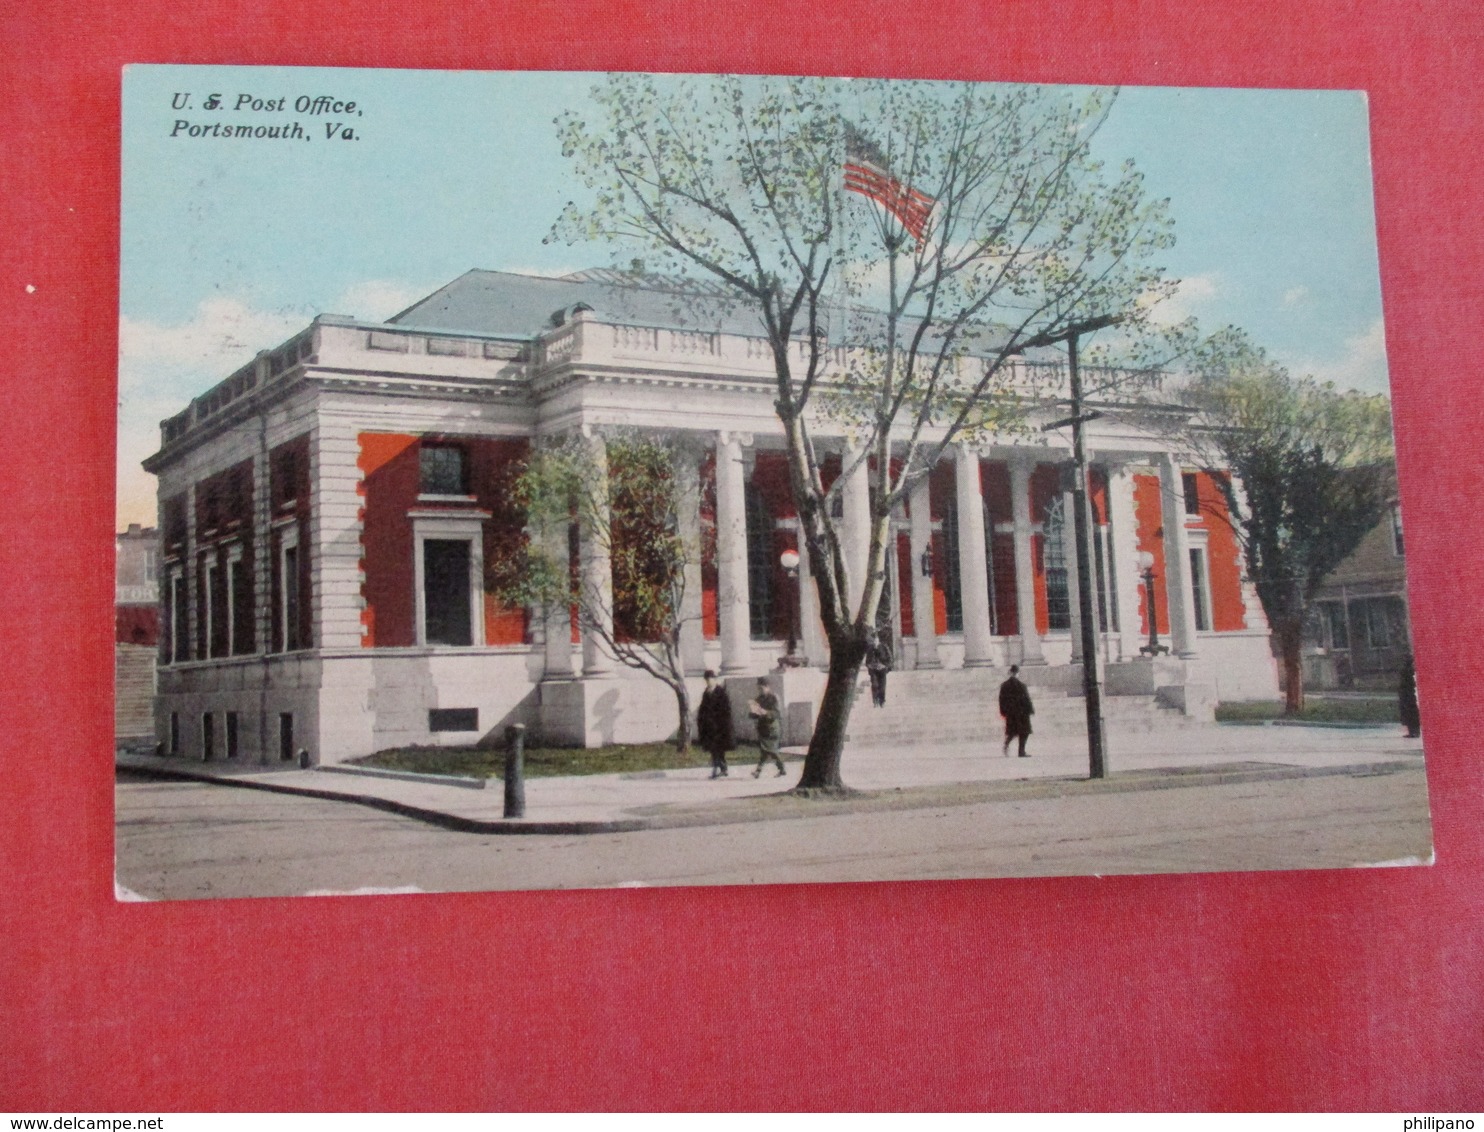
x=463, y=781
x=741, y=811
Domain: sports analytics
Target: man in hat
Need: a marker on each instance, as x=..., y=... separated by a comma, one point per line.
x=768, y=718
x=714, y=724
x=1016, y=707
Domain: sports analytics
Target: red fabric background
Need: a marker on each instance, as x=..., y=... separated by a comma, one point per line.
x=1361, y=989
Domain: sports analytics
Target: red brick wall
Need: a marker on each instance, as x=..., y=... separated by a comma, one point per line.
x=391, y=481
x=1228, y=611
x=1045, y=486
x=1151, y=538
x=136, y=624
x=224, y=519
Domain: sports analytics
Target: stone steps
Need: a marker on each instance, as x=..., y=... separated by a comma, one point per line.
x=134, y=691
x=962, y=706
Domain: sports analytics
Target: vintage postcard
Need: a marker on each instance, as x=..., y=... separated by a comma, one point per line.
x=536, y=480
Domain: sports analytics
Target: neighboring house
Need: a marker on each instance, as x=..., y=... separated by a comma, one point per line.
x=136, y=619
x=1359, y=634
x=329, y=515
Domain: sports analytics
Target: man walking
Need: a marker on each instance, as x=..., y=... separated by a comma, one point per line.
x=769, y=722
x=714, y=724
x=878, y=664
x=1016, y=707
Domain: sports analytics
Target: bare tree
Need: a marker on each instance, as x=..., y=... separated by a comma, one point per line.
x=898, y=243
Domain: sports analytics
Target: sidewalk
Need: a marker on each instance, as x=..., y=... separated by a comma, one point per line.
x=887, y=777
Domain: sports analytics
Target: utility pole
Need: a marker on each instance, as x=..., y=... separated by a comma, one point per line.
x=1097, y=742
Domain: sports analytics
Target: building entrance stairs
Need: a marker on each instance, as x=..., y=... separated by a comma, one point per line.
x=962, y=706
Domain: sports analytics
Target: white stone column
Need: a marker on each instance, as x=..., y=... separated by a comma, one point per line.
x=1074, y=580
x=924, y=618
x=1254, y=616
x=335, y=530
x=732, y=600
x=1178, y=594
x=556, y=617
x=855, y=527
x=1124, y=528
x=1025, y=569
x=811, y=628
x=973, y=570
x=688, y=502
x=597, y=566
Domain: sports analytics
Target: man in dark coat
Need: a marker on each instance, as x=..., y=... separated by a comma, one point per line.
x=714, y=724
x=1406, y=695
x=878, y=664
x=1016, y=707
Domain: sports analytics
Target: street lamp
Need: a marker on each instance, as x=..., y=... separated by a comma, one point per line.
x=1097, y=747
x=1146, y=570
x=789, y=560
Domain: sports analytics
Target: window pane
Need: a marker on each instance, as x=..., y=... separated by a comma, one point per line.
x=1054, y=554
x=1339, y=631
x=1191, y=487
x=446, y=592
x=760, y=563
x=443, y=470
x=953, y=595
x=1198, y=590
x=290, y=584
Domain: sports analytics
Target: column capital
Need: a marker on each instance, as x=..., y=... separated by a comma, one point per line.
x=741, y=439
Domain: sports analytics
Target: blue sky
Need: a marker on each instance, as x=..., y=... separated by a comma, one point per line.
x=231, y=245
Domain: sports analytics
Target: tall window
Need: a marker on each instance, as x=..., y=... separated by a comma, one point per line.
x=1377, y=623
x=1397, y=546
x=1200, y=590
x=288, y=587
x=239, y=604
x=953, y=590
x=760, y=564
x=178, y=612
x=1054, y=555
x=213, y=609
x=1190, y=485
x=446, y=598
x=444, y=470
x=1339, y=629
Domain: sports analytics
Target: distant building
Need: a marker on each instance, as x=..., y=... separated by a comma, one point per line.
x=327, y=513
x=1359, y=632
x=136, y=619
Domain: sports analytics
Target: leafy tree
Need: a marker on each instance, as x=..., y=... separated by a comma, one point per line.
x=627, y=499
x=1315, y=470
x=892, y=316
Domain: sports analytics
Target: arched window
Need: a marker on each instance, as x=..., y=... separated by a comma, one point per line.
x=760, y=563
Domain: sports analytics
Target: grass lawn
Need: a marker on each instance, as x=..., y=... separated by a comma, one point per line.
x=548, y=762
x=1315, y=711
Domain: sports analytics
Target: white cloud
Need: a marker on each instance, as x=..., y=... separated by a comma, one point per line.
x=1361, y=365
x=1295, y=295
x=222, y=334
x=376, y=299
x=1192, y=293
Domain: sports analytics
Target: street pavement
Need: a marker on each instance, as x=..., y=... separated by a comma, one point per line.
x=893, y=777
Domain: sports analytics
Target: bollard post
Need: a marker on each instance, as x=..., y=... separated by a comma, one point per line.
x=515, y=770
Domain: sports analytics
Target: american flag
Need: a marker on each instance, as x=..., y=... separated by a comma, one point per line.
x=866, y=173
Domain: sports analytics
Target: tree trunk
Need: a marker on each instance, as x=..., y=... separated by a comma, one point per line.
x=822, y=764
x=682, y=704
x=1291, y=642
